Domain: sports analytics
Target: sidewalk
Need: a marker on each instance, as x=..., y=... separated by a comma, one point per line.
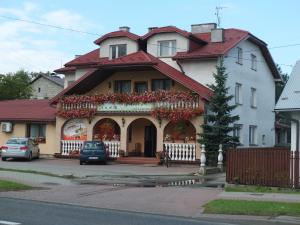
x=260, y=196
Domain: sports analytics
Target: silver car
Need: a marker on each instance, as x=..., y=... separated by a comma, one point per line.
x=20, y=148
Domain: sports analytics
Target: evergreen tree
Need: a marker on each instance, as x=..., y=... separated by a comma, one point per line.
x=218, y=121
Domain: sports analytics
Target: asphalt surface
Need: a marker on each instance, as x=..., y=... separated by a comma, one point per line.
x=21, y=212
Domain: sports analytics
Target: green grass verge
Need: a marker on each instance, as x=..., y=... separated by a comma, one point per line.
x=258, y=208
x=261, y=189
x=6, y=185
x=39, y=173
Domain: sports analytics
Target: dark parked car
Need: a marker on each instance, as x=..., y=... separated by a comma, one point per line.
x=93, y=151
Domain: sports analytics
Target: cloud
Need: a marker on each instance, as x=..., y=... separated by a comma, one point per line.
x=30, y=46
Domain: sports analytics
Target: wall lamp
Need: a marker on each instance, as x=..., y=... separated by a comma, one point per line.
x=123, y=121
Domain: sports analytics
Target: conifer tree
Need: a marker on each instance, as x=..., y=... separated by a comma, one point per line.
x=219, y=122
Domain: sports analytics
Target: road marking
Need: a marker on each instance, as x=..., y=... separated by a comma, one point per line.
x=2, y=222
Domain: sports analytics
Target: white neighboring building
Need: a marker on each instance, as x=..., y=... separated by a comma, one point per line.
x=289, y=104
x=252, y=71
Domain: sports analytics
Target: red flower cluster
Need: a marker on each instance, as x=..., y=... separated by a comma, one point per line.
x=146, y=97
x=175, y=115
x=77, y=113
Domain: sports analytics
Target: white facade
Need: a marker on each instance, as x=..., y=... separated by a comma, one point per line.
x=131, y=45
x=43, y=88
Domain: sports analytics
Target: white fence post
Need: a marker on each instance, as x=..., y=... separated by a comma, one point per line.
x=202, y=169
x=220, y=158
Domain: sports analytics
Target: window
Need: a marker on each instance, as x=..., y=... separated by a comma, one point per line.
x=39, y=90
x=123, y=86
x=253, y=98
x=116, y=51
x=237, y=130
x=162, y=84
x=252, y=135
x=239, y=56
x=37, y=130
x=238, y=93
x=140, y=87
x=263, y=139
x=253, y=62
x=166, y=48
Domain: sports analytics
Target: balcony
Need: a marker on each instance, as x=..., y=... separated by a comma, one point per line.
x=131, y=103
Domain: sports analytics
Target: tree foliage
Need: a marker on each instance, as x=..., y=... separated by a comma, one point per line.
x=280, y=85
x=15, y=85
x=219, y=121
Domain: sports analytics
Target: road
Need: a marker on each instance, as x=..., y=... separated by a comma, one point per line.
x=25, y=212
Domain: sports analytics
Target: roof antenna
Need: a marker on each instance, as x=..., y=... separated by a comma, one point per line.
x=217, y=13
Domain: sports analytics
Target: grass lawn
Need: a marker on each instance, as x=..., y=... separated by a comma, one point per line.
x=6, y=185
x=261, y=189
x=259, y=208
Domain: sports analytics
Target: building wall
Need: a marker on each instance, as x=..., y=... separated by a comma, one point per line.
x=262, y=80
x=129, y=118
x=136, y=76
x=19, y=130
x=200, y=70
x=132, y=46
x=47, y=88
x=69, y=77
x=295, y=116
x=182, y=45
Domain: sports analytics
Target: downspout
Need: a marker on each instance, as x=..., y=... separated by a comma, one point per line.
x=180, y=67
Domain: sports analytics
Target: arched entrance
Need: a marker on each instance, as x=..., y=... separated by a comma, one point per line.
x=141, y=138
x=106, y=130
x=182, y=132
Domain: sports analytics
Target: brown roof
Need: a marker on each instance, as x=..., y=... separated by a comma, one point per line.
x=115, y=34
x=27, y=110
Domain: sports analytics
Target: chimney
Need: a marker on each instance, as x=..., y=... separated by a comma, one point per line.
x=217, y=35
x=124, y=28
x=203, y=28
x=151, y=28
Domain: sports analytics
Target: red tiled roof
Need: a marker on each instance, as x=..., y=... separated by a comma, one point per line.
x=119, y=33
x=27, y=110
x=143, y=58
x=167, y=29
x=90, y=58
x=64, y=70
x=214, y=49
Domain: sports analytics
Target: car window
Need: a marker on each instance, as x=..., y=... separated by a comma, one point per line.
x=93, y=146
x=17, y=141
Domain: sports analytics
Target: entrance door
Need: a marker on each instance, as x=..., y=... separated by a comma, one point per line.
x=150, y=141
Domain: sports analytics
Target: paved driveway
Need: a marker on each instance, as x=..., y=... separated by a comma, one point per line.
x=72, y=167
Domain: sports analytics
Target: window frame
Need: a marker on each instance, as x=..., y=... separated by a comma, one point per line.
x=140, y=82
x=239, y=56
x=41, y=126
x=117, y=54
x=164, y=84
x=238, y=94
x=237, y=131
x=172, y=50
x=121, y=91
x=253, y=62
x=253, y=98
x=252, y=135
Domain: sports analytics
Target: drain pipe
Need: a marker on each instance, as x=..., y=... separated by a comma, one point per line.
x=180, y=66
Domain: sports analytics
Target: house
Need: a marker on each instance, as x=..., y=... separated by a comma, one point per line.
x=288, y=105
x=143, y=94
x=29, y=118
x=46, y=86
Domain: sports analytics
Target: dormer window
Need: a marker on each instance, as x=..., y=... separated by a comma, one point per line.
x=166, y=48
x=116, y=51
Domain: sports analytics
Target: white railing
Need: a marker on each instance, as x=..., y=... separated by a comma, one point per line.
x=113, y=148
x=67, y=146
x=181, y=151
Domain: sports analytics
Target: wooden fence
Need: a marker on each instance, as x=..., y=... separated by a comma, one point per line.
x=275, y=167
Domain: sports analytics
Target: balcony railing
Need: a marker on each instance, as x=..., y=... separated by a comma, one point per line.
x=137, y=107
x=181, y=151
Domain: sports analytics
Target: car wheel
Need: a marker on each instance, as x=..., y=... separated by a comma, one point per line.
x=30, y=156
x=3, y=159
